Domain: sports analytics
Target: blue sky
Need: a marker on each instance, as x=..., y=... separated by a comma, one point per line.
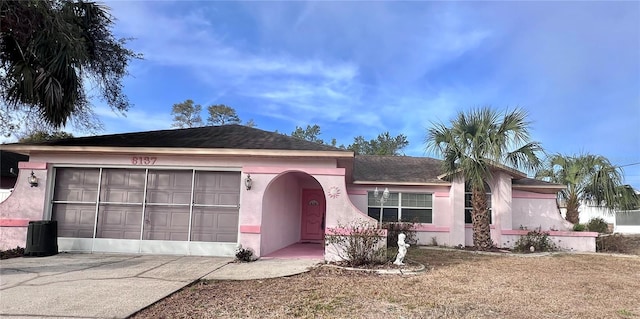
x=362, y=68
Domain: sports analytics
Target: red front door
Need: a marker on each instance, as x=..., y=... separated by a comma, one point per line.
x=313, y=205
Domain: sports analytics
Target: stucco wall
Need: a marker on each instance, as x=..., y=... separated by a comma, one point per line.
x=533, y=210
x=281, y=213
x=425, y=233
x=182, y=161
x=25, y=204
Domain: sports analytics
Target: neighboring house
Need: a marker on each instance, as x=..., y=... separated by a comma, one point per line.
x=203, y=191
x=9, y=172
x=624, y=222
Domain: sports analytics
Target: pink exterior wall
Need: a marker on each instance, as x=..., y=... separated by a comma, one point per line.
x=468, y=231
x=25, y=204
x=533, y=210
x=456, y=202
x=339, y=209
x=182, y=161
x=501, y=201
x=281, y=214
x=439, y=229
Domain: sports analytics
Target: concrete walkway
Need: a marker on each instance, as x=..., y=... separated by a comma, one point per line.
x=115, y=286
x=263, y=268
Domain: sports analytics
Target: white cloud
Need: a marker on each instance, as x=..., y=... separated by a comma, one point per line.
x=361, y=68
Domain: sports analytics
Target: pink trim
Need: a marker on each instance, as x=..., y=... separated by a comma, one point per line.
x=250, y=229
x=560, y=233
x=521, y=194
x=347, y=231
x=431, y=228
x=441, y=194
x=308, y=170
x=32, y=165
x=356, y=192
x=11, y=222
x=492, y=226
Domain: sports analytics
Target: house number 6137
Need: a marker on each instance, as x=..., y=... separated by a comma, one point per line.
x=143, y=160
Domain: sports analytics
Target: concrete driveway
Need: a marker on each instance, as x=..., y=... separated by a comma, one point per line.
x=94, y=285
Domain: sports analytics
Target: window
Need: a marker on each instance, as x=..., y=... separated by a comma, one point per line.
x=467, y=203
x=404, y=207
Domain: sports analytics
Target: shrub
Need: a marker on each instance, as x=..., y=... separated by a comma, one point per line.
x=244, y=254
x=579, y=227
x=12, y=253
x=537, y=239
x=598, y=225
x=362, y=244
x=615, y=243
x=394, y=229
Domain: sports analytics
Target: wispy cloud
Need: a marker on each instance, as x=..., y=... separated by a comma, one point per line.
x=361, y=68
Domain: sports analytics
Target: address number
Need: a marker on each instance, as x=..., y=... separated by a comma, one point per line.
x=143, y=160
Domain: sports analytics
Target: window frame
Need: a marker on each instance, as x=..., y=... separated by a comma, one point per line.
x=470, y=208
x=398, y=207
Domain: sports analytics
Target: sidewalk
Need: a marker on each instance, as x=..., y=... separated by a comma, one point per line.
x=263, y=268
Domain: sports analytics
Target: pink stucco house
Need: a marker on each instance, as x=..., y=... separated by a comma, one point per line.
x=203, y=191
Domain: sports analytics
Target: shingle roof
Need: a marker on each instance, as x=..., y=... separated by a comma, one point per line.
x=397, y=169
x=405, y=169
x=226, y=136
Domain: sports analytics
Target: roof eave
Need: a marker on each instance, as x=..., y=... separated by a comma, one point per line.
x=402, y=183
x=28, y=149
x=513, y=172
x=545, y=188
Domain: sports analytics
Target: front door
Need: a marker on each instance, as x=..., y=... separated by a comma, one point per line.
x=313, y=206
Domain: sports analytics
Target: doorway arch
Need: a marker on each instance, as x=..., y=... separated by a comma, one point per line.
x=293, y=213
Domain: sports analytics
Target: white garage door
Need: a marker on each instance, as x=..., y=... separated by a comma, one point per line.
x=147, y=210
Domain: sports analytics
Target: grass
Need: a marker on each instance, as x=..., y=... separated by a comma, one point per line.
x=457, y=285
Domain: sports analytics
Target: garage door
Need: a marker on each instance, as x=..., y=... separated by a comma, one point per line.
x=146, y=210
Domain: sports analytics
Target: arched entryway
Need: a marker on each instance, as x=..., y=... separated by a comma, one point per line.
x=293, y=217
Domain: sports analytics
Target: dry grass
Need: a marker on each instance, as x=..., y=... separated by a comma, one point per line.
x=458, y=285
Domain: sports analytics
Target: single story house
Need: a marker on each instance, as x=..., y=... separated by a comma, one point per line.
x=203, y=191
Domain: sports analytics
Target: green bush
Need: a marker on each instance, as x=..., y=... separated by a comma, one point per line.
x=579, y=227
x=598, y=225
x=394, y=229
x=537, y=239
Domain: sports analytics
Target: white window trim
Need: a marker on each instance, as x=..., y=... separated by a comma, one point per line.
x=399, y=207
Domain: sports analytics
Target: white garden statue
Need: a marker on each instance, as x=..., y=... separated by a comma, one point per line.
x=402, y=250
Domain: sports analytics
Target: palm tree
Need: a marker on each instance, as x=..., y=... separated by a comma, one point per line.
x=48, y=49
x=473, y=144
x=590, y=178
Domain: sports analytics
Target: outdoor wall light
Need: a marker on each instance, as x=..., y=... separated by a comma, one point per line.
x=248, y=182
x=33, y=180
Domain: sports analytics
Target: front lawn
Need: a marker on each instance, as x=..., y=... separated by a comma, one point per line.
x=458, y=284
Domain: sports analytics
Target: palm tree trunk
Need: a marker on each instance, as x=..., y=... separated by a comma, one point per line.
x=480, y=220
x=573, y=204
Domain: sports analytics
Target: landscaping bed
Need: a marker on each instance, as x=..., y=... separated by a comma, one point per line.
x=459, y=284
